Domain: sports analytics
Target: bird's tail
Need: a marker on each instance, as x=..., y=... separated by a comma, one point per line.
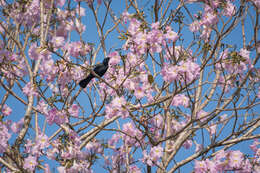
x=83, y=83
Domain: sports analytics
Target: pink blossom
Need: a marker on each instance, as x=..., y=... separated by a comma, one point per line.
x=195, y=26
x=202, y=115
x=118, y=102
x=42, y=141
x=30, y=163
x=170, y=34
x=111, y=111
x=48, y=70
x=223, y=55
x=156, y=153
x=58, y=41
x=146, y=159
x=33, y=51
x=55, y=116
x=115, y=138
x=140, y=40
x=157, y=121
x=16, y=127
x=42, y=107
x=134, y=26
x=51, y=153
x=211, y=165
x=245, y=54
x=76, y=49
x=61, y=169
x=154, y=48
x=200, y=166
x=226, y=84
x=139, y=93
x=6, y=110
x=21, y=69
x=254, y=145
x=94, y=147
x=61, y=2
x=132, y=133
x=63, y=29
x=77, y=73
x=189, y=69
x=205, y=33
x=246, y=167
x=180, y=100
x=125, y=16
x=51, y=116
x=124, y=113
x=61, y=118
x=221, y=154
x=114, y=58
x=235, y=159
x=209, y=18
x=130, y=84
x=132, y=59
x=215, y=3
x=4, y=137
x=156, y=38
x=74, y=110
x=169, y=72
x=257, y=3
x=230, y=66
x=155, y=25
x=29, y=90
x=229, y=9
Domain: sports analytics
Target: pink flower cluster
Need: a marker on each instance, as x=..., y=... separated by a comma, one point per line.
x=234, y=63
x=55, y=116
x=237, y=63
x=185, y=71
x=154, y=156
x=4, y=137
x=30, y=90
x=74, y=110
x=6, y=110
x=180, y=100
x=131, y=136
x=35, y=150
x=133, y=77
x=116, y=108
x=142, y=40
x=16, y=126
x=73, y=152
x=210, y=16
x=224, y=161
x=93, y=148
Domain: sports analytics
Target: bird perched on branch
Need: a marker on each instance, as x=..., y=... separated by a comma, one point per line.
x=99, y=69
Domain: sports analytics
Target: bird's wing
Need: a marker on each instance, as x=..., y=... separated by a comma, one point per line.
x=99, y=69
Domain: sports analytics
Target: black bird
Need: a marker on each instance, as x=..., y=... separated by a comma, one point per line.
x=99, y=69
